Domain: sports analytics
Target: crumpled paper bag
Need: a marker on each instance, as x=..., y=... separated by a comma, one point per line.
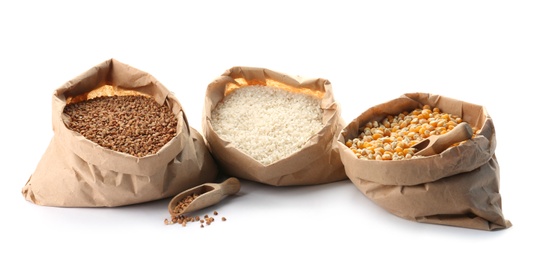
x=317, y=162
x=458, y=187
x=76, y=172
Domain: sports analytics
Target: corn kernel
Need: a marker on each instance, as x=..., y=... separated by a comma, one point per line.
x=379, y=150
x=386, y=156
x=392, y=137
x=375, y=124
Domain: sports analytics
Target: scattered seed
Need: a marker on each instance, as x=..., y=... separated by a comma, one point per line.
x=183, y=219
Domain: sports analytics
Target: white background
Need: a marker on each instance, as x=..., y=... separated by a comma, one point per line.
x=481, y=52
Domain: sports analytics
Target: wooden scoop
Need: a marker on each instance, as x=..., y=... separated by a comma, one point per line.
x=207, y=194
x=436, y=144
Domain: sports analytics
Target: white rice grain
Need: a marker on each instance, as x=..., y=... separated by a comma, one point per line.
x=267, y=123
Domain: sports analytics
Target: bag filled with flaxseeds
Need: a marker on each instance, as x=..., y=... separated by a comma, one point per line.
x=454, y=183
x=273, y=128
x=120, y=138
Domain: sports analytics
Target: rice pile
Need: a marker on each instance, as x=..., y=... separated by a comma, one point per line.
x=267, y=123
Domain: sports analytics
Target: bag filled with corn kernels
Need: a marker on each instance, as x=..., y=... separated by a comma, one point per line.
x=457, y=185
x=120, y=138
x=273, y=128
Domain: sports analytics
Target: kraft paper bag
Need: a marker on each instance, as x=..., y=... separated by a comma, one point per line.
x=76, y=172
x=458, y=187
x=317, y=162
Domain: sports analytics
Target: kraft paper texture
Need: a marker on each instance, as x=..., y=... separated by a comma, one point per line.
x=317, y=162
x=458, y=187
x=76, y=172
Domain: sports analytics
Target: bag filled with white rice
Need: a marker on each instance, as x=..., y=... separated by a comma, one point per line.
x=272, y=128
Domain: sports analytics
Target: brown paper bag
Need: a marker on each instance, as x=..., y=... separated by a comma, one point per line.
x=316, y=163
x=458, y=187
x=76, y=172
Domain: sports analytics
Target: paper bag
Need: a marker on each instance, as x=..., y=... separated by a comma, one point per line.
x=76, y=172
x=458, y=187
x=317, y=162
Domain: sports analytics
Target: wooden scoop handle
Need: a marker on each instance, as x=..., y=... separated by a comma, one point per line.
x=230, y=186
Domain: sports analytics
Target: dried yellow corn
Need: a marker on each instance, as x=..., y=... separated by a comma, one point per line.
x=392, y=137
